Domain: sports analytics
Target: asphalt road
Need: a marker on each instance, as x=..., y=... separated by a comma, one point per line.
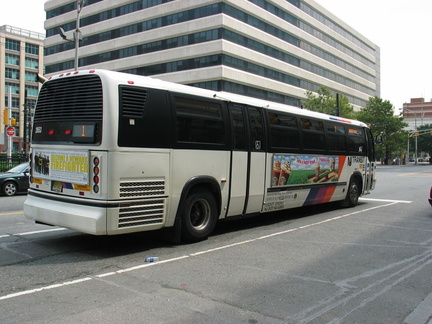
x=367, y=264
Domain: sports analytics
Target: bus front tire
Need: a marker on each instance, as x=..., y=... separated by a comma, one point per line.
x=353, y=194
x=199, y=216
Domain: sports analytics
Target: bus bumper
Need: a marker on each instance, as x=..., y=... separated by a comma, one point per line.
x=85, y=219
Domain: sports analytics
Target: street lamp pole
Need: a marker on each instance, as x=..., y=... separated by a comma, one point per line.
x=77, y=33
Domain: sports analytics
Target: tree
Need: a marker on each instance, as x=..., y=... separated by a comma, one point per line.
x=424, y=141
x=378, y=114
x=325, y=102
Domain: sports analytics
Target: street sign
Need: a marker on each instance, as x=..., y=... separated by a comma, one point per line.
x=10, y=131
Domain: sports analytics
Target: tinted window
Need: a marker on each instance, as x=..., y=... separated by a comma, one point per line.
x=356, y=140
x=238, y=127
x=199, y=121
x=256, y=130
x=336, y=139
x=144, y=118
x=313, y=134
x=284, y=133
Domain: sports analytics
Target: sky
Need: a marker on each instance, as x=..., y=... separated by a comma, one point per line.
x=401, y=29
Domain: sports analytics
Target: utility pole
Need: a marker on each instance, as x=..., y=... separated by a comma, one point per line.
x=77, y=37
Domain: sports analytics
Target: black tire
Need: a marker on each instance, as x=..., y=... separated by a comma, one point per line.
x=353, y=194
x=9, y=188
x=199, y=216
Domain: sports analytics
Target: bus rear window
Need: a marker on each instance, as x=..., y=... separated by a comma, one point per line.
x=69, y=110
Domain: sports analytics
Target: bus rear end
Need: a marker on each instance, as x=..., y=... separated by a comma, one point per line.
x=67, y=163
x=79, y=177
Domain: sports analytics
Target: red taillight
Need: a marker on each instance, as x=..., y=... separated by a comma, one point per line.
x=31, y=167
x=96, y=171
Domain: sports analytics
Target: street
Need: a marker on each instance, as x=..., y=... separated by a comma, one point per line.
x=323, y=264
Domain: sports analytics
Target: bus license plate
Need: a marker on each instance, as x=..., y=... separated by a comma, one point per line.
x=57, y=186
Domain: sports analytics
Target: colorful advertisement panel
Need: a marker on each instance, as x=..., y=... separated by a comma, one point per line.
x=61, y=166
x=304, y=169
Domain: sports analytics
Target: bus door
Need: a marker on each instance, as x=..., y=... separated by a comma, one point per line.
x=247, y=161
x=370, y=164
x=257, y=168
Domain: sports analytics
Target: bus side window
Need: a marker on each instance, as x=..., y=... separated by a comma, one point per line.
x=313, y=134
x=144, y=117
x=284, y=134
x=370, y=146
x=356, y=141
x=336, y=138
x=256, y=130
x=199, y=121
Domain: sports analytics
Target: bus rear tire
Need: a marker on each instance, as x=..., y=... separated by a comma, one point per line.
x=199, y=216
x=353, y=194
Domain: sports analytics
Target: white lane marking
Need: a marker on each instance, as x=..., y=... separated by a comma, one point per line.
x=35, y=232
x=67, y=283
x=32, y=291
x=388, y=200
x=41, y=231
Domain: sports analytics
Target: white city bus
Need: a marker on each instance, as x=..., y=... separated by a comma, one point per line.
x=115, y=153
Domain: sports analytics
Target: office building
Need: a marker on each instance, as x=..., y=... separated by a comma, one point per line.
x=417, y=112
x=271, y=49
x=21, y=57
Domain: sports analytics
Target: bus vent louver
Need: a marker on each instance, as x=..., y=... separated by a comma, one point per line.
x=133, y=101
x=77, y=98
x=141, y=213
x=142, y=189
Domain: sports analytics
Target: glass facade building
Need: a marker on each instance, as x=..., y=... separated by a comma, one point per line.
x=21, y=60
x=270, y=49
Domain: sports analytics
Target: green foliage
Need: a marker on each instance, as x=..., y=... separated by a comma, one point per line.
x=325, y=102
x=424, y=141
x=378, y=114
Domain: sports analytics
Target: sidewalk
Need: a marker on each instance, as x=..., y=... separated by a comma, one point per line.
x=422, y=314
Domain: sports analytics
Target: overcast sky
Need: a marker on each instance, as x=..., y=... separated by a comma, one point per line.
x=401, y=28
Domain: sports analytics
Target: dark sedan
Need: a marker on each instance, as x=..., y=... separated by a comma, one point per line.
x=15, y=180
x=430, y=196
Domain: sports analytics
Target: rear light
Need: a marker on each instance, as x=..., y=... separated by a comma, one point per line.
x=96, y=172
x=31, y=167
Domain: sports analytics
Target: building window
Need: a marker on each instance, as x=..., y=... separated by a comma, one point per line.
x=32, y=91
x=12, y=59
x=15, y=102
x=12, y=73
x=31, y=63
x=12, y=45
x=31, y=76
x=15, y=88
x=32, y=49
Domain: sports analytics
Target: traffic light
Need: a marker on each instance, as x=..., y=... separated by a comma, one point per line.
x=416, y=133
x=6, y=117
x=13, y=122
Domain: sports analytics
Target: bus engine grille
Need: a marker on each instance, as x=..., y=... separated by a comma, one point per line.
x=142, y=189
x=141, y=213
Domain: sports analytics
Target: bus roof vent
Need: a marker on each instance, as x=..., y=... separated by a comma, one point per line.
x=132, y=102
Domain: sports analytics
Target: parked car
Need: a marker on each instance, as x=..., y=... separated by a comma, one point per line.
x=430, y=196
x=15, y=180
